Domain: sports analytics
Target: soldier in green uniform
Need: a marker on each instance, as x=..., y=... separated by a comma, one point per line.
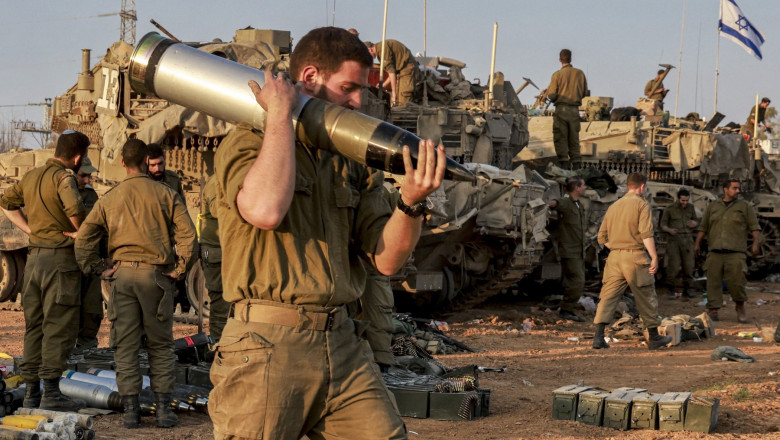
x=290, y=363
x=211, y=259
x=403, y=71
x=572, y=224
x=627, y=230
x=679, y=222
x=53, y=212
x=567, y=88
x=158, y=172
x=659, y=93
x=726, y=224
x=141, y=219
x=91, y=296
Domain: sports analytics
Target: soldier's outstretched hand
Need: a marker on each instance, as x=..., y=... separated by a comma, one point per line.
x=427, y=177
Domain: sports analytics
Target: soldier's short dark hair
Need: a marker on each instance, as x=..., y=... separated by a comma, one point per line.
x=661, y=71
x=727, y=183
x=765, y=99
x=683, y=192
x=134, y=153
x=573, y=182
x=327, y=48
x=70, y=144
x=155, y=151
x=565, y=56
x=635, y=180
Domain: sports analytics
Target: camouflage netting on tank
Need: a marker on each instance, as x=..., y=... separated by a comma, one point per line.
x=713, y=154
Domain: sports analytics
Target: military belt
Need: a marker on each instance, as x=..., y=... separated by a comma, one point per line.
x=296, y=317
x=137, y=264
x=37, y=250
x=628, y=250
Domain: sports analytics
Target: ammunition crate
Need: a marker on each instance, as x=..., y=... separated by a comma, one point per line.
x=454, y=406
x=617, y=407
x=484, y=402
x=702, y=414
x=644, y=411
x=411, y=402
x=199, y=375
x=565, y=401
x=671, y=411
x=180, y=373
x=590, y=408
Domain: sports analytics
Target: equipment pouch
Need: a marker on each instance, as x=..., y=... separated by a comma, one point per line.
x=68, y=284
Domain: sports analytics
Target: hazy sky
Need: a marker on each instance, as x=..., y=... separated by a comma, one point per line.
x=618, y=43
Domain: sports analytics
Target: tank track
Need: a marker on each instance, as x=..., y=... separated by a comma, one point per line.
x=521, y=264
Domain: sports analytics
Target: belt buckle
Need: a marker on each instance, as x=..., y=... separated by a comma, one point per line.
x=331, y=320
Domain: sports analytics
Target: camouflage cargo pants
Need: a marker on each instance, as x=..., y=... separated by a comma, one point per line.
x=628, y=269
x=679, y=258
x=573, y=282
x=142, y=303
x=731, y=268
x=50, y=298
x=91, y=309
x=566, y=133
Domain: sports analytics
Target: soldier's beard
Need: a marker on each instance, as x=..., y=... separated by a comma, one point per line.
x=157, y=176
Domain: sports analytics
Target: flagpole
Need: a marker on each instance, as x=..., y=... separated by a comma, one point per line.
x=717, y=57
x=679, y=70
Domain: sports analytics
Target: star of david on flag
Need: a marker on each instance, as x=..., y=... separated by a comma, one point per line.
x=737, y=28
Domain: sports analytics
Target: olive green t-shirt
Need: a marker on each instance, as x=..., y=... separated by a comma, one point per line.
x=676, y=217
x=649, y=88
x=337, y=214
x=727, y=226
x=142, y=219
x=50, y=196
x=626, y=223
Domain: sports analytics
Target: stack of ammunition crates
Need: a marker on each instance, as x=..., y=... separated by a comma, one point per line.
x=635, y=408
x=423, y=403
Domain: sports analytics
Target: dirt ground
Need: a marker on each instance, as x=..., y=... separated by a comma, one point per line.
x=543, y=359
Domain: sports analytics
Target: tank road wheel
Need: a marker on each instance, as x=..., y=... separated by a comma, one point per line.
x=20, y=259
x=196, y=282
x=8, y=279
x=769, y=249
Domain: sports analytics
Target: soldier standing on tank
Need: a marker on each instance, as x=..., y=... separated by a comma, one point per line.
x=158, y=172
x=627, y=231
x=567, y=88
x=726, y=224
x=142, y=220
x=679, y=222
x=572, y=224
x=211, y=259
x=403, y=72
x=300, y=220
x=52, y=280
x=91, y=295
x=659, y=93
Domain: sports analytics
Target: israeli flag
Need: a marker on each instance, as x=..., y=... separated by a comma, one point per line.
x=736, y=27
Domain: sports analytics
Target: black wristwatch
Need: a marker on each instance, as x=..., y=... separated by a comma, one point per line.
x=413, y=211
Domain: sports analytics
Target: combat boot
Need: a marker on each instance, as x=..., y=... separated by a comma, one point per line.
x=54, y=400
x=564, y=164
x=655, y=340
x=166, y=418
x=741, y=315
x=132, y=417
x=32, y=397
x=598, y=338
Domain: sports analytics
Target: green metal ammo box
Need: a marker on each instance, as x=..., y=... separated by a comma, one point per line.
x=454, y=406
x=702, y=414
x=484, y=401
x=590, y=408
x=671, y=411
x=565, y=401
x=617, y=407
x=644, y=411
x=411, y=402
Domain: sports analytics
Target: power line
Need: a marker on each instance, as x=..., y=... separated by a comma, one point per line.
x=50, y=20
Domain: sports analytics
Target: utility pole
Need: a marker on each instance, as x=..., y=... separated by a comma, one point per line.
x=127, y=14
x=43, y=131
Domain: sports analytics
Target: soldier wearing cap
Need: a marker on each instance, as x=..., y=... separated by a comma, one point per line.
x=211, y=258
x=158, y=172
x=53, y=212
x=627, y=230
x=403, y=72
x=142, y=220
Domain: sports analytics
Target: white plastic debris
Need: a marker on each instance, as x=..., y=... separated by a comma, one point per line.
x=587, y=303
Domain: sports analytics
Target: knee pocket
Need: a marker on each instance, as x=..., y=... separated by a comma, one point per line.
x=237, y=403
